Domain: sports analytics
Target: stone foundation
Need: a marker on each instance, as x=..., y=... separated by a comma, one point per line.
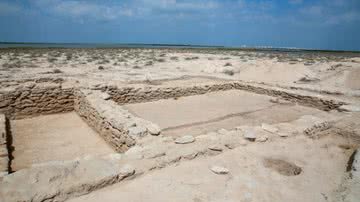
x=105, y=118
x=36, y=99
x=128, y=95
x=4, y=154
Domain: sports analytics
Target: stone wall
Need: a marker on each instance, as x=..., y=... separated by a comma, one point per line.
x=137, y=95
x=34, y=99
x=4, y=155
x=105, y=117
x=306, y=99
x=145, y=94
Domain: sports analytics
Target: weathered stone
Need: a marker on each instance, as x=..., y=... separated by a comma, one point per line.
x=215, y=147
x=139, y=131
x=249, y=134
x=153, y=129
x=219, y=170
x=107, y=114
x=185, y=139
x=283, y=134
x=105, y=96
x=269, y=128
x=280, y=101
x=58, y=181
x=262, y=138
x=350, y=108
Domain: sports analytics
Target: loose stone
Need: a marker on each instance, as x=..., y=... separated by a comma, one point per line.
x=215, y=148
x=219, y=170
x=185, y=139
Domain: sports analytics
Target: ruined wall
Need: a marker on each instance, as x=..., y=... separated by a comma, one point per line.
x=35, y=99
x=104, y=118
x=138, y=94
x=4, y=155
x=311, y=100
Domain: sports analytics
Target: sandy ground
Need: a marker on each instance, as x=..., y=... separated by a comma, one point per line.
x=194, y=115
x=331, y=71
x=322, y=162
x=52, y=138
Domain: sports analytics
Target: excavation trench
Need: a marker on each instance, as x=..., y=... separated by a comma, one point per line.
x=51, y=123
x=45, y=118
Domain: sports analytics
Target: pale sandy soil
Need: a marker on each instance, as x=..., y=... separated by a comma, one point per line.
x=194, y=115
x=54, y=138
x=332, y=71
x=322, y=162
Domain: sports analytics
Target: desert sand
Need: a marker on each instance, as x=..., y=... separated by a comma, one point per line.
x=136, y=124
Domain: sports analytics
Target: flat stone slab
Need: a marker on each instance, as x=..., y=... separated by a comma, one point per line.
x=185, y=139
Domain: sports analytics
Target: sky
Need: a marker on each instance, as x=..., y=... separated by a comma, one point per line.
x=312, y=24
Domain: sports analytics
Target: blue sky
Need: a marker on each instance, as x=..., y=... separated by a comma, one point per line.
x=319, y=24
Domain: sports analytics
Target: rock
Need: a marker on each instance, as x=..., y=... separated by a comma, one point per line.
x=138, y=131
x=130, y=123
x=127, y=170
x=250, y=134
x=185, y=139
x=316, y=128
x=280, y=101
x=263, y=138
x=282, y=134
x=350, y=108
x=215, y=148
x=219, y=170
x=269, y=128
x=307, y=79
x=153, y=129
x=105, y=96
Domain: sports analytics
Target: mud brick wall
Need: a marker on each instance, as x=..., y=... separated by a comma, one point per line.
x=35, y=99
x=104, y=118
x=4, y=155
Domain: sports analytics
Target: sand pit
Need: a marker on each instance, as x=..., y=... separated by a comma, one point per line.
x=199, y=114
x=54, y=138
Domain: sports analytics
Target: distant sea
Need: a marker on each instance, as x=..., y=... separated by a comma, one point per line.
x=98, y=45
x=138, y=45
